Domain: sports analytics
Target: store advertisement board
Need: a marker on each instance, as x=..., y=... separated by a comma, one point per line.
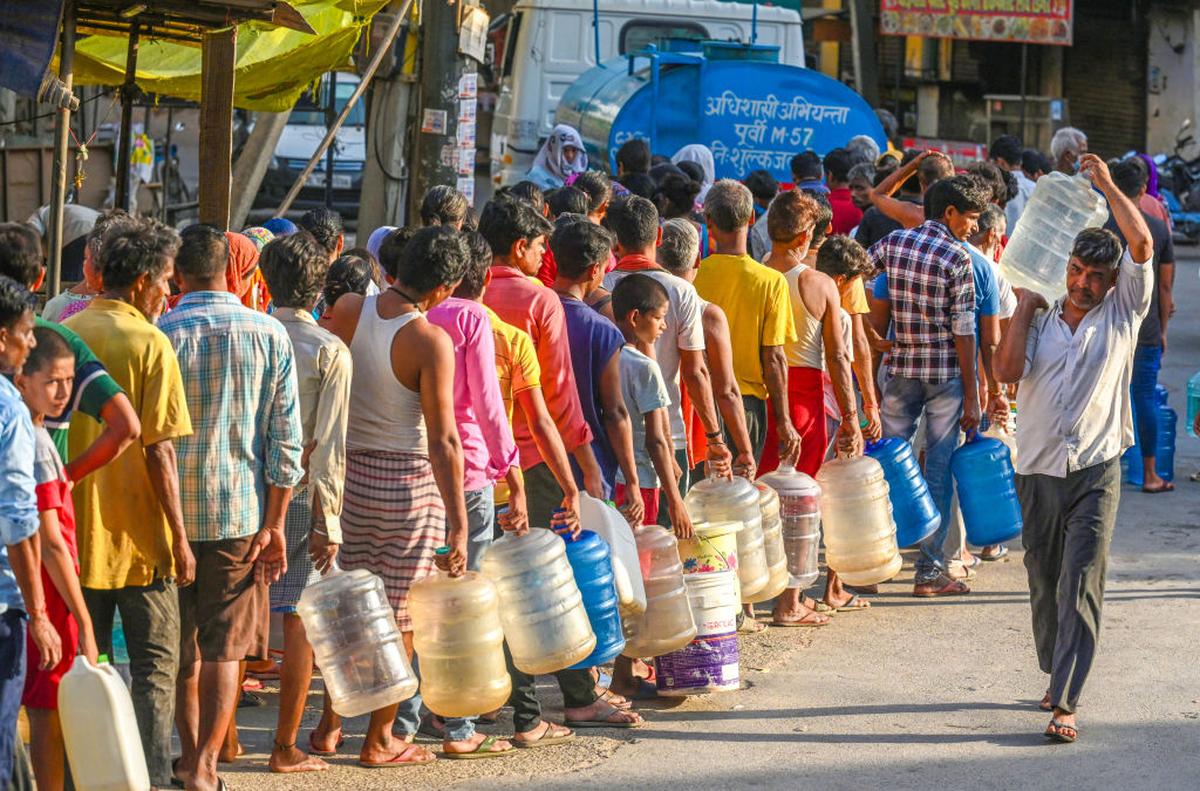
x=1020, y=21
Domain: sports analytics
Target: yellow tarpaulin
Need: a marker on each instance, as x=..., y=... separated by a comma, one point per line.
x=274, y=65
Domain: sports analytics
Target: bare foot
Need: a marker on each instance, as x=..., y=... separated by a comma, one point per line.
x=602, y=712
x=288, y=759
x=472, y=744
x=229, y=754
x=325, y=742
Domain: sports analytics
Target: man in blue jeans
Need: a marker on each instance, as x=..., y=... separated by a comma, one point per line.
x=932, y=293
x=1130, y=178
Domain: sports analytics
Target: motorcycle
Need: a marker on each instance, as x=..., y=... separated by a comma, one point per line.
x=1179, y=184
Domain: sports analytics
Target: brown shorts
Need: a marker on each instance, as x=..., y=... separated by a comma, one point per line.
x=225, y=614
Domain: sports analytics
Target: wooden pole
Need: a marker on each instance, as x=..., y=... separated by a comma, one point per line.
x=384, y=46
x=216, y=125
x=62, y=133
x=125, y=136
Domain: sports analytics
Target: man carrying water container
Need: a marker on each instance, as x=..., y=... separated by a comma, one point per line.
x=1072, y=360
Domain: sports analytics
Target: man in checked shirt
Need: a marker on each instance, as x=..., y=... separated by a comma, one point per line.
x=932, y=292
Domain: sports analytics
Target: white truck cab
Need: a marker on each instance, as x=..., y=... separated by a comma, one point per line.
x=542, y=46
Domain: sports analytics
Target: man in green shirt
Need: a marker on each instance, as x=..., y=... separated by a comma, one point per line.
x=94, y=393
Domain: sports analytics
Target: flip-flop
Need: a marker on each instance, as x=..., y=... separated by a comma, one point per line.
x=1167, y=486
x=484, y=750
x=1055, y=731
x=951, y=588
x=545, y=740
x=604, y=723
x=1044, y=704
x=312, y=750
x=823, y=608
x=1003, y=551
x=175, y=781
x=397, y=761
x=803, y=621
x=748, y=625
x=623, y=705
x=855, y=604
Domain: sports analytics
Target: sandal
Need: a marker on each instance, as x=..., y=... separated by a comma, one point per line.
x=811, y=618
x=1045, y=704
x=940, y=586
x=1000, y=552
x=400, y=761
x=748, y=625
x=1061, y=732
x=545, y=740
x=1166, y=486
x=855, y=603
x=617, y=701
x=483, y=750
x=606, y=722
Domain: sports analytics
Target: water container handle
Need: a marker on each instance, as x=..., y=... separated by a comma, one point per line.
x=561, y=530
x=972, y=435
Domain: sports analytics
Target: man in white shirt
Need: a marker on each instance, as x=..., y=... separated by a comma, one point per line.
x=1073, y=361
x=1006, y=152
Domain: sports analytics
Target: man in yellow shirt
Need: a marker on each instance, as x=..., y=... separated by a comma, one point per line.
x=755, y=301
x=133, y=550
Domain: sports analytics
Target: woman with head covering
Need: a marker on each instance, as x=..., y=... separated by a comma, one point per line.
x=561, y=156
x=280, y=226
x=702, y=157
x=375, y=240
x=258, y=296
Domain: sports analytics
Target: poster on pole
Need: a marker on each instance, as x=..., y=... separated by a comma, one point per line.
x=1019, y=21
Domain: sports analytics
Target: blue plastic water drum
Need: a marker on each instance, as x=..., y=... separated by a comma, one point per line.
x=987, y=494
x=591, y=560
x=1164, y=455
x=913, y=509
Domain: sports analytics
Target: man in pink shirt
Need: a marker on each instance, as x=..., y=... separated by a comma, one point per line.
x=517, y=236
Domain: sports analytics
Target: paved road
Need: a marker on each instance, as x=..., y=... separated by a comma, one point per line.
x=916, y=694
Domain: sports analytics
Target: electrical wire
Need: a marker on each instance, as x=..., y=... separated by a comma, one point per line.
x=53, y=113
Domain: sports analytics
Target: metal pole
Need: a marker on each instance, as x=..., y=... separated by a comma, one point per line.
x=1024, y=62
x=754, y=23
x=62, y=132
x=330, y=119
x=596, y=28
x=384, y=47
x=125, y=138
x=167, y=167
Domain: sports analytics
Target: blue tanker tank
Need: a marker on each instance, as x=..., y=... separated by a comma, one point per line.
x=753, y=112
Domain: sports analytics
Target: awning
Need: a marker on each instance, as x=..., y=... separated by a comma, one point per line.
x=273, y=65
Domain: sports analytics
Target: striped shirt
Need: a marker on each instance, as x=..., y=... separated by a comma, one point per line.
x=239, y=376
x=932, y=291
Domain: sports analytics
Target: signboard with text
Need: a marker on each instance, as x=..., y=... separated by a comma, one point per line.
x=1021, y=21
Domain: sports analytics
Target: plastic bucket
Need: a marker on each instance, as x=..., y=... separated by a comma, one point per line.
x=710, y=662
x=713, y=549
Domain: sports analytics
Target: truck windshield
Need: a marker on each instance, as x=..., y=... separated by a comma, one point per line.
x=306, y=114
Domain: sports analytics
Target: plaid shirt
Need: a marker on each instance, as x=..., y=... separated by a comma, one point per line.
x=932, y=294
x=241, y=388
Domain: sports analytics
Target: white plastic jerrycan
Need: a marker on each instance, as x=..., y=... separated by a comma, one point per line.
x=100, y=730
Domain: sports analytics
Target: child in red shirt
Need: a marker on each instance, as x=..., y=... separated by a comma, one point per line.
x=45, y=385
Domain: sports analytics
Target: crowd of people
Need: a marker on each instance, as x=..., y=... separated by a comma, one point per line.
x=210, y=421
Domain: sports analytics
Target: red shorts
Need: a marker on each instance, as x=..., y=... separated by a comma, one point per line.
x=649, y=499
x=806, y=405
x=41, y=686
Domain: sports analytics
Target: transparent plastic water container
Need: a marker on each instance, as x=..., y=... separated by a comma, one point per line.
x=735, y=500
x=768, y=503
x=357, y=646
x=800, y=514
x=104, y=749
x=666, y=624
x=1040, y=245
x=1193, y=402
x=541, y=609
x=860, y=536
x=457, y=634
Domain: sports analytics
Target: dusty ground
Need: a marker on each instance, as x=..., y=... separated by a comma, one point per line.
x=912, y=694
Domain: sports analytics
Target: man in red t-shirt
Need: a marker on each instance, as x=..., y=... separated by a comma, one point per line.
x=846, y=216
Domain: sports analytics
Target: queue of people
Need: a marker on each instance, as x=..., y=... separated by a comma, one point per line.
x=210, y=421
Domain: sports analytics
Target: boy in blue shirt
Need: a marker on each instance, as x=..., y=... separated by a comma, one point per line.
x=21, y=594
